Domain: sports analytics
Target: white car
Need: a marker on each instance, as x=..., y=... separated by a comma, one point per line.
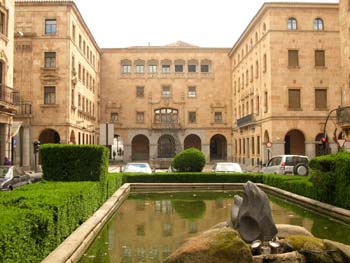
x=287, y=164
x=12, y=177
x=137, y=168
x=227, y=167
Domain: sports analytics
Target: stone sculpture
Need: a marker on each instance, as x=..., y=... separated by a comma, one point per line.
x=252, y=216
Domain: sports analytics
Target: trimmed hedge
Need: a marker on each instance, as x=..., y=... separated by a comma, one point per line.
x=331, y=176
x=36, y=218
x=189, y=160
x=192, y=178
x=74, y=163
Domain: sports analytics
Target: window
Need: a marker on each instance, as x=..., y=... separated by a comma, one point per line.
x=293, y=58
x=114, y=116
x=253, y=146
x=165, y=68
x=318, y=24
x=294, y=99
x=256, y=69
x=205, y=68
x=192, y=68
x=2, y=23
x=152, y=68
x=80, y=41
x=140, y=68
x=292, y=24
x=140, y=92
x=73, y=32
x=218, y=117
x=192, y=117
x=320, y=60
x=192, y=92
x=179, y=68
x=166, y=115
x=50, y=59
x=50, y=95
x=140, y=116
x=321, y=99
x=166, y=92
x=251, y=73
x=50, y=26
x=126, y=69
x=266, y=102
x=264, y=63
x=258, y=144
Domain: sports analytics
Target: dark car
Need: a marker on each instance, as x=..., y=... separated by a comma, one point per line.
x=12, y=177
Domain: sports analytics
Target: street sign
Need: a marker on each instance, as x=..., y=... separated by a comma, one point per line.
x=268, y=144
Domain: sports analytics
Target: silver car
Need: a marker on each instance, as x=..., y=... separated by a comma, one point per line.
x=137, y=168
x=287, y=164
x=12, y=177
x=227, y=167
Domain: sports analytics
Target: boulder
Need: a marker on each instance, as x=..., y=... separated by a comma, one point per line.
x=291, y=257
x=285, y=230
x=317, y=250
x=217, y=245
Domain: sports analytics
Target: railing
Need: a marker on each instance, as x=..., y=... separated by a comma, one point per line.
x=8, y=95
x=166, y=125
x=246, y=120
x=24, y=109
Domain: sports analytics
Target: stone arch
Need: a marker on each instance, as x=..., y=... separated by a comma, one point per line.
x=193, y=141
x=218, y=147
x=49, y=136
x=294, y=142
x=140, y=148
x=166, y=146
x=72, y=137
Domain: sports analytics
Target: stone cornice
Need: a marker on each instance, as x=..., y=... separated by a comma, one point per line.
x=269, y=5
x=165, y=49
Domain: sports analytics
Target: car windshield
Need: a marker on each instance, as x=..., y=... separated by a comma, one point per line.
x=228, y=167
x=137, y=167
x=3, y=171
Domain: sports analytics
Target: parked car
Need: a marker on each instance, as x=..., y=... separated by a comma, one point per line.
x=12, y=177
x=288, y=164
x=227, y=167
x=137, y=168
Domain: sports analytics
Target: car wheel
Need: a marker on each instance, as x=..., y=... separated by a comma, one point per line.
x=10, y=187
x=301, y=169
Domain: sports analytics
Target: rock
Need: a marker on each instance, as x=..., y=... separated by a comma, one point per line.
x=339, y=247
x=254, y=218
x=285, y=230
x=220, y=225
x=219, y=245
x=291, y=257
x=316, y=250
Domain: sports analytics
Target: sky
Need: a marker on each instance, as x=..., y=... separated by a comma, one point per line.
x=204, y=23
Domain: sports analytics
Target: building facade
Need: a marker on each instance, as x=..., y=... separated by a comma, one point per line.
x=162, y=100
x=8, y=94
x=269, y=94
x=285, y=79
x=58, y=72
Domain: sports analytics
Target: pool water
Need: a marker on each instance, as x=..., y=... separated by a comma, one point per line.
x=149, y=227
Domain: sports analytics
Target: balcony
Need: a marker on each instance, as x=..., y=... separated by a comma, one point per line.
x=24, y=109
x=246, y=120
x=166, y=126
x=8, y=98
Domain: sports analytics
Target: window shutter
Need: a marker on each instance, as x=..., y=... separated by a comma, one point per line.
x=319, y=58
x=294, y=99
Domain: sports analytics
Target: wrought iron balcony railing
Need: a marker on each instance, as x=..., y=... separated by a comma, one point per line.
x=24, y=109
x=9, y=95
x=249, y=119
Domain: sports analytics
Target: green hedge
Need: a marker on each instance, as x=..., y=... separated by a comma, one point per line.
x=36, y=218
x=73, y=163
x=331, y=177
x=192, y=178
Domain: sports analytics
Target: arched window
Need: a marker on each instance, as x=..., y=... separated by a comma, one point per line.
x=318, y=24
x=292, y=24
x=166, y=115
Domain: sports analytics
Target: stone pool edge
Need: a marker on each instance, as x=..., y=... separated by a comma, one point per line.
x=74, y=246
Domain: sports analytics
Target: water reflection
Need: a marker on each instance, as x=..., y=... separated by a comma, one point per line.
x=149, y=230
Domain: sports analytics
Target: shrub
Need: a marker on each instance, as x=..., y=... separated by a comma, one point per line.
x=189, y=209
x=74, y=162
x=189, y=160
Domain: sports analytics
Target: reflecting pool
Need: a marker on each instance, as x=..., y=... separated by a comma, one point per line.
x=149, y=227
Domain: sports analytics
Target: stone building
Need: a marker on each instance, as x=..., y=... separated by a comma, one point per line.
x=57, y=63
x=165, y=99
x=8, y=95
x=285, y=79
